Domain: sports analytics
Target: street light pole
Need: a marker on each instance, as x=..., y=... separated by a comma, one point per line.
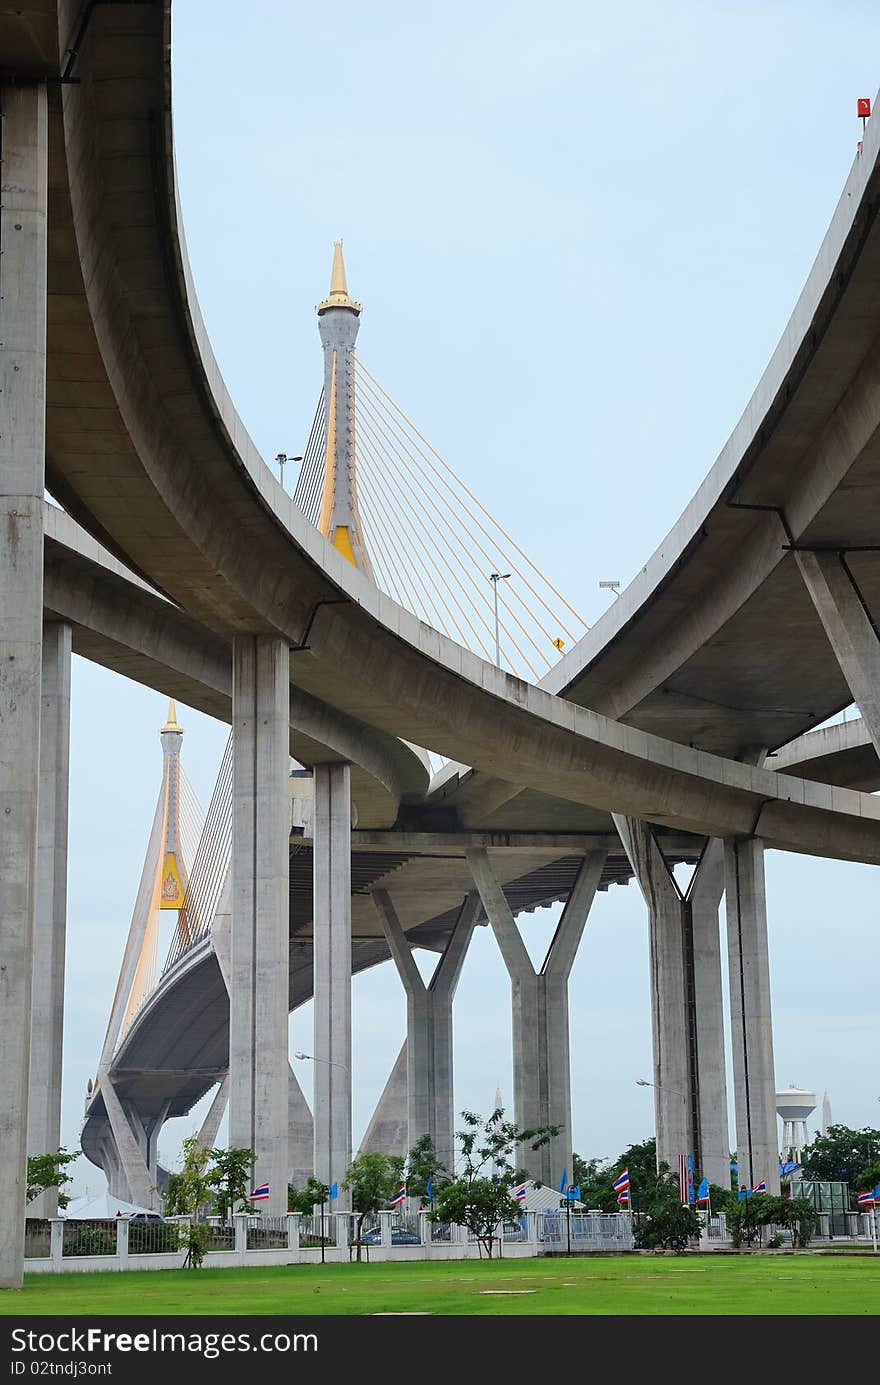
x=332, y=1062
x=495, y=578
x=282, y=458
x=312, y=1059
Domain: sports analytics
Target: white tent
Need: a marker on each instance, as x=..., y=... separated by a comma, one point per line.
x=546, y=1199
x=101, y=1207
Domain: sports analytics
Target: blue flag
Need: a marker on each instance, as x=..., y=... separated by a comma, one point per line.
x=703, y=1191
x=563, y=1181
x=573, y=1191
x=333, y=1191
x=743, y=1194
x=429, y=1187
x=877, y=1190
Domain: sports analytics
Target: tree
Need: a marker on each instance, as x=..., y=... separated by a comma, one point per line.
x=189, y=1192
x=666, y=1223
x=843, y=1156
x=478, y=1199
x=230, y=1178
x=762, y=1209
x=594, y=1179
x=421, y=1164
x=46, y=1171
x=306, y=1199
x=373, y=1179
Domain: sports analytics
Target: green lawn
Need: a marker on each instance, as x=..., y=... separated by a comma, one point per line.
x=692, y=1284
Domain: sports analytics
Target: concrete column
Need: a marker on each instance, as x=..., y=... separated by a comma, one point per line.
x=851, y=630
x=301, y=1133
x=50, y=921
x=211, y=1123
x=388, y=1129
x=541, y=1065
x=128, y=1147
x=332, y=990
x=23, y=162
x=687, y=1017
x=751, y=1024
x=429, y=1062
x=258, y=1002
x=704, y=897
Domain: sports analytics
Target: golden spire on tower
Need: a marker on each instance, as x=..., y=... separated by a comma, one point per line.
x=171, y=723
x=338, y=297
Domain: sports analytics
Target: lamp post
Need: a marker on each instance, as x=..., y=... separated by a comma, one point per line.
x=281, y=458
x=333, y=1064
x=312, y=1059
x=495, y=578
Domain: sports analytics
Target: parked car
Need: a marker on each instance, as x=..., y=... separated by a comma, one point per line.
x=145, y=1217
x=400, y=1236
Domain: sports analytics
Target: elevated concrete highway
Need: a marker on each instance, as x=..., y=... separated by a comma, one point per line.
x=145, y=449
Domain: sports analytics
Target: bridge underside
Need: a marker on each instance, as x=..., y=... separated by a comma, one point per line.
x=177, y=1048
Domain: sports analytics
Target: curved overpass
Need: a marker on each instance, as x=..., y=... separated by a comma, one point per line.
x=161, y=470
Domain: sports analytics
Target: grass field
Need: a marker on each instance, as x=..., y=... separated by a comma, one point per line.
x=693, y=1284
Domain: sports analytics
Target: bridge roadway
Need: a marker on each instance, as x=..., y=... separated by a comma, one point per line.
x=145, y=449
x=716, y=645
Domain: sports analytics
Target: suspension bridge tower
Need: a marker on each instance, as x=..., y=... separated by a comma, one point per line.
x=338, y=323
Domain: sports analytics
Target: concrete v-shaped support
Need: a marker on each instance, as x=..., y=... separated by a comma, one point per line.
x=687, y=1016
x=541, y=1061
x=429, y=1025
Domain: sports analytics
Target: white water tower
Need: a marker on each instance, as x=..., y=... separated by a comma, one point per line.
x=794, y=1105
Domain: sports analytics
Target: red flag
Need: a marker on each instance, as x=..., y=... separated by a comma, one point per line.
x=863, y=105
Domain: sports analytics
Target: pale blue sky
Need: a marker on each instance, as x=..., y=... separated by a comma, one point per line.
x=577, y=231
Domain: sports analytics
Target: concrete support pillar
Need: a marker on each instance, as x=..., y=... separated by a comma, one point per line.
x=429, y=1026
x=687, y=1017
x=851, y=630
x=211, y=1123
x=751, y=1025
x=541, y=1064
x=332, y=990
x=50, y=920
x=388, y=1130
x=301, y=1133
x=129, y=1148
x=707, y=1006
x=23, y=163
x=258, y=1002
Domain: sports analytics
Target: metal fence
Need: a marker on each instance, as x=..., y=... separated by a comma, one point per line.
x=152, y=1238
x=585, y=1230
x=89, y=1238
x=315, y=1230
x=37, y=1238
x=717, y=1228
x=222, y=1238
x=513, y=1231
x=267, y=1233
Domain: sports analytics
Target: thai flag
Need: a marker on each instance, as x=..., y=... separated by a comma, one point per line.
x=399, y=1196
x=760, y=1187
x=623, y=1198
x=866, y=1199
x=520, y=1193
x=621, y=1183
x=260, y=1194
